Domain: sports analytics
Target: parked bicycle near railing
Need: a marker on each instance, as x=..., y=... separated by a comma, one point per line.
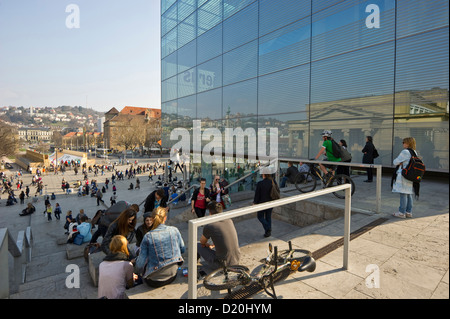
x=276, y=266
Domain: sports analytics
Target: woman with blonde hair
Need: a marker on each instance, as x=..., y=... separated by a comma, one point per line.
x=160, y=253
x=401, y=185
x=116, y=271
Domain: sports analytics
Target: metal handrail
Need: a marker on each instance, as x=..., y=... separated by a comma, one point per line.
x=250, y=174
x=21, y=252
x=195, y=223
x=180, y=194
x=378, y=168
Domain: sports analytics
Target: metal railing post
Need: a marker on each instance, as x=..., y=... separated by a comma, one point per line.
x=347, y=217
x=378, y=192
x=192, y=261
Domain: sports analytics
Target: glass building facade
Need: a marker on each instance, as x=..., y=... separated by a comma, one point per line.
x=357, y=68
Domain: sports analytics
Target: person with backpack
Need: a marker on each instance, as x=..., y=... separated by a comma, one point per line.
x=346, y=157
x=331, y=150
x=400, y=184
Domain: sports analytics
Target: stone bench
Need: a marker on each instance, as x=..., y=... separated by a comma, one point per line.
x=94, y=261
x=75, y=251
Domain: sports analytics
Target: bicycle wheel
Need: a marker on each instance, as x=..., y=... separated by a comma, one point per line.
x=305, y=182
x=217, y=280
x=341, y=179
x=298, y=255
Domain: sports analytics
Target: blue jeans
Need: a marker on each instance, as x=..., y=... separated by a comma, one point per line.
x=406, y=203
x=265, y=217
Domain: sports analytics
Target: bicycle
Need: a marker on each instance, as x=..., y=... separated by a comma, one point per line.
x=275, y=267
x=306, y=182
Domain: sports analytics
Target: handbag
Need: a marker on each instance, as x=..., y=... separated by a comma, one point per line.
x=226, y=200
x=375, y=153
x=78, y=240
x=275, y=191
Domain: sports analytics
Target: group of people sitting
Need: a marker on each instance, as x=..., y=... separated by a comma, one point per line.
x=157, y=256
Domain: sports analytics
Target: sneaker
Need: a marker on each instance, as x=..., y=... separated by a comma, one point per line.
x=399, y=215
x=408, y=215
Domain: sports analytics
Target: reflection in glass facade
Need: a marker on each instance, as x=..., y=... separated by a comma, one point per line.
x=358, y=68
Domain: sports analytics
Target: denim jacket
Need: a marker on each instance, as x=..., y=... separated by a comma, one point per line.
x=159, y=248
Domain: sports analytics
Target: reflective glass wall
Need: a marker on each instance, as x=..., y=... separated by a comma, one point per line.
x=358, y=68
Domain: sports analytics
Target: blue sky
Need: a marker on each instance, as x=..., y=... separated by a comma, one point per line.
x=111, y=60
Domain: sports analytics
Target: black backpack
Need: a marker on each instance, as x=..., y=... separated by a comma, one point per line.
x=336, y=149
x=415, y=169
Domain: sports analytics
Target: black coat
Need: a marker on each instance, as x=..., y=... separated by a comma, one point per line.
x=150, y=202
x=291, y=173
x=262, y=192
x=368, y=156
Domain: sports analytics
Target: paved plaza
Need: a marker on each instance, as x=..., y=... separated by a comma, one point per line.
x=409, y=256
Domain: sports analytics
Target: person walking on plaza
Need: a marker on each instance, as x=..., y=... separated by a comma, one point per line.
x=216, y=190
x=49, y=212
x=57, y=211
x=400, y=184
x=262, y=195
x=200, y=199
x=99, y=197
x=46, y=203
x=368, y=151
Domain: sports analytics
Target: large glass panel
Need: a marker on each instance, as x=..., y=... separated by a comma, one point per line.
x=168, y=122
x=284, y=48
x=342, y=28
x=209, y=105
x=277, y=14
x=209, y=15
x=292, y=133
x=241, y=63
x=169, y=20
x=187, y=109
x=187, y=30
x=169, y=89
x=241, y=28
x=166, y=4
x=230, y=7
x=355, y=91
x=422, y=95
x=240, y=99
x=185, y=8
x=362, y=73
x=318, y=5
x=209, y=75
x=169, y=43
x=417, y=16
x=209, y=44
x=187, y=82
x=187, y=56
x=285, y=91
x=169, y=66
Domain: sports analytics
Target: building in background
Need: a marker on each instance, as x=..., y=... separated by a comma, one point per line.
x=133, y=128
x=35, y=134
x=358, y=68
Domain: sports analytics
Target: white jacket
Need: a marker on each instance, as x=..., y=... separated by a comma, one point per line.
x=401, y=184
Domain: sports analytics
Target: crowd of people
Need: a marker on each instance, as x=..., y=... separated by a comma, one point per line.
x=156, y=262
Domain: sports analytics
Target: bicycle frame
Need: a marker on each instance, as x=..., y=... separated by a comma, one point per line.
x=265, y=277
